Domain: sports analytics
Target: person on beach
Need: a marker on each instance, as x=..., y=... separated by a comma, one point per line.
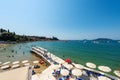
x=62, y=66
x=12, y=55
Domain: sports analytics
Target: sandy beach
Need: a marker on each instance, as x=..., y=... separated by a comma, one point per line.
x=3, y=45
x=41, y=68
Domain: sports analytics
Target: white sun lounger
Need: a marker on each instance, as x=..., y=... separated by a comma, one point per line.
x=5, y=67
x=15, y=66
x=16, y=62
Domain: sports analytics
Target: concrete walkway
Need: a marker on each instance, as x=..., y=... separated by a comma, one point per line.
x=45, y=75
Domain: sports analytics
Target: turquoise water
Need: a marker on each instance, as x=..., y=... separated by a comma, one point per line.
x=101, y=54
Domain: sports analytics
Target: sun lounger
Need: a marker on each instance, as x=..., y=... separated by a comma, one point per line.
x=15, y=66
x=5, y=67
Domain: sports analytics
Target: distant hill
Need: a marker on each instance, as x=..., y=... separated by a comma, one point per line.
x=104, y=40
x=6, y=35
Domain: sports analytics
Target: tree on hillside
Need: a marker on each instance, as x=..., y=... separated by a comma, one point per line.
x=54, y=38
x=8, y=31
x=2, y=30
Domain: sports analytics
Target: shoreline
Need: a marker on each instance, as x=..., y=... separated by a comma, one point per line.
x=15, y=42
x=2, y=45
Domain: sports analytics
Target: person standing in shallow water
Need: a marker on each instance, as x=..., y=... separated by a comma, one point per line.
x=16, y=52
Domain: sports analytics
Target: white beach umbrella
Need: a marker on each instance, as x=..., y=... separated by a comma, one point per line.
x=103, y=78
x=6, y=63
x=41, y=48
x=36, y=62
x=55, y=66
x=68, y=66
x=49, y=54
x=16, y=62
x=91, y=65
x=64, y=72
x=45, y=50
x=117, y=73
x=53, y=57
x=61, y=62
x=42, y=52
x=77, y=72
x=72, y=79
x=104, y=68
x=25, y=61
x=79, y=66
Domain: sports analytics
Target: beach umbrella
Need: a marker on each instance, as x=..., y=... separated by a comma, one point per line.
x=49, y=54
x=117, y=73
x=91, y=65
x=42, y=52
x=72, y=79
x=53, y=57
x=45, y=50
x=68, y=66
x=55, y=67
x=103, y=78
x=61, y=62
x=79, y=66
x=68, y=60
x=25, y=61
x=104, y=68
x=41, y=48
x=6, y=63
x=36, y=62
x=64, y=72
x=16, y=62
x=77, y=72
x=56, y=60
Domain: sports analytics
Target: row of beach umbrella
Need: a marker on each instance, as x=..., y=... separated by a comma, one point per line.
x=77, y=72
x=88, y=64
x=103, y=68
x=65, y=72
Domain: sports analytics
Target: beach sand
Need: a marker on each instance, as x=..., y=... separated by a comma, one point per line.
x=38, y=70
x=3, y=45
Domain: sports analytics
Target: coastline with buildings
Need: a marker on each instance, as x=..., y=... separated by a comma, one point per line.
x=7, y=37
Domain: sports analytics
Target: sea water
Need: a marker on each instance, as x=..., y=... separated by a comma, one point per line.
x=81, y=52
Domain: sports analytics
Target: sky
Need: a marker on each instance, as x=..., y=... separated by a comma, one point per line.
x=65, y=19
